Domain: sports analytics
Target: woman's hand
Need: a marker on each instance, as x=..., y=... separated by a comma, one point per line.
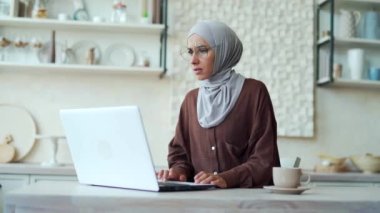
x=171, y=174
x=206, y=178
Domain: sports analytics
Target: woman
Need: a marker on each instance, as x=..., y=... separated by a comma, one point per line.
x=226, y=133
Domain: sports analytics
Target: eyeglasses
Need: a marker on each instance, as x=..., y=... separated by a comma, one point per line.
x=200, y=51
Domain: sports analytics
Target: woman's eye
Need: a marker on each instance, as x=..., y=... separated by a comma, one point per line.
x=203, y=50
x=190, y=51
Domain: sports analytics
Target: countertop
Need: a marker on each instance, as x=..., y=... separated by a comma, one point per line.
x=28, y=168
x=49, y=196
x=36, y=169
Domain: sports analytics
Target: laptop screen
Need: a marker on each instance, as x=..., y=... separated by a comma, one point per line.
x=109, y=147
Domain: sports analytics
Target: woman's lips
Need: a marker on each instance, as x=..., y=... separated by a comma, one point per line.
x=197, y=70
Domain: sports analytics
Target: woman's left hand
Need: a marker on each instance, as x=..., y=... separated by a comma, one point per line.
x=209, y=178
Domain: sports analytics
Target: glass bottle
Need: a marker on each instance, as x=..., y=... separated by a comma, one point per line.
x=40, y=9
x=119, y=12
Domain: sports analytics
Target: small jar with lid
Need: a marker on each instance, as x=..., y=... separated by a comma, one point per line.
x=144, y=60
x=40, y=9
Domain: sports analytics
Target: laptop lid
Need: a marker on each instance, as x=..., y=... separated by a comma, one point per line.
x=109, y=147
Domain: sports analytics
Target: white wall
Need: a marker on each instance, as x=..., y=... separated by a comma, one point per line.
x=43, y=94
x=347, y=123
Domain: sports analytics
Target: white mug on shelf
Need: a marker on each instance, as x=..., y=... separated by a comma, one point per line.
x=355, y=58
x=63, y=17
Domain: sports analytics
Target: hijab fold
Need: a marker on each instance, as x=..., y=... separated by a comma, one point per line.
x=218, y=94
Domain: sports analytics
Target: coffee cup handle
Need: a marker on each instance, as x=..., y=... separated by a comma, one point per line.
x=307, y=180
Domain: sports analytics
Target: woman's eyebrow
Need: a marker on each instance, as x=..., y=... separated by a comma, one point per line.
x=198, y=46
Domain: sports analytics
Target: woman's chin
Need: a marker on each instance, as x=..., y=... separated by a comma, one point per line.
x=200, y=77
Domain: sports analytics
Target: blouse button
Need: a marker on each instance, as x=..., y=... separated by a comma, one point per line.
x=213, y=148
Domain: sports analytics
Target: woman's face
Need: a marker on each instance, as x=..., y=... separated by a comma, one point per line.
x=201, y=57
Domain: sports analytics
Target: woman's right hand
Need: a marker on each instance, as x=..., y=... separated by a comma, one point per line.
x=171, y=174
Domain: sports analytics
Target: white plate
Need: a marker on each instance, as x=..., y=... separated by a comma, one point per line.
x=280, y=190
x=81, y=51
x=121, y=55
x=19, y=123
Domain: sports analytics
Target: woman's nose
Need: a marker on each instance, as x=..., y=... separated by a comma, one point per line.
x=194, y=59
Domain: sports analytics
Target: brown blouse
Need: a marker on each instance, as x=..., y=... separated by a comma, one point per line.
x=242, y=149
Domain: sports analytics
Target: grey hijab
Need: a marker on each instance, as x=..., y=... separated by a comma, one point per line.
x=218, y=94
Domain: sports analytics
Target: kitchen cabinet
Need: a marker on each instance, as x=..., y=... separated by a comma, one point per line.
x=9, y=182
x=13, y=176
x=345, y=44
x=12, y=181
x=59, y=43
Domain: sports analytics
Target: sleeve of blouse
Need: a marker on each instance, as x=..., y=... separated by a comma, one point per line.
x=178, y=146
x=262, y=148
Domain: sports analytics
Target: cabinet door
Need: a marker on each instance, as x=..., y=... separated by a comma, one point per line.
x=38, y=178
x=10, y=182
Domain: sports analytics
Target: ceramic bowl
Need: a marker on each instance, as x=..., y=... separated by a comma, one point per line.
x=328, y=160
x=367, y=163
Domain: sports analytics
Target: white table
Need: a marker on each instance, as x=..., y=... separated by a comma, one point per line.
x=73, y=197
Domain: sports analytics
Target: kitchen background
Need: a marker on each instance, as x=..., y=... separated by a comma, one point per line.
x=340, y=121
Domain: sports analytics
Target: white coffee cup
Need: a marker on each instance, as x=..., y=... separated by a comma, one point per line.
x=288, y=177
x=63, y=17
x=97, y=19
x=355, y=58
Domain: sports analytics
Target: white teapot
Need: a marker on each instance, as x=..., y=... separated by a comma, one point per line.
x=348, y=23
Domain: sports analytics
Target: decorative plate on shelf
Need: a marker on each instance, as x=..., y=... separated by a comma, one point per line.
x=86, y=52
x=18, y=124
x=121, y=55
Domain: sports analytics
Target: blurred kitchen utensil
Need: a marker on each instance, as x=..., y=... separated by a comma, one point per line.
x=367, y=163
x=348, y=23
x=81, y=51
x=371, y=24
x=374, y=73
x=289, y=162
x=7, y=151
x=18, y=122
x=331, y=160
x=54, y=139
x=355, y=58
x=331, y=164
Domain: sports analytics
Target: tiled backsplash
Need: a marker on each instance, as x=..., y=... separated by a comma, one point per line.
x=277, y=36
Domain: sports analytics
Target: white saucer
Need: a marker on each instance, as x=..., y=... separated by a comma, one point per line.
x=279, y=190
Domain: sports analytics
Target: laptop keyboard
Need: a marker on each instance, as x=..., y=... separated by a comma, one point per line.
x=170, y=183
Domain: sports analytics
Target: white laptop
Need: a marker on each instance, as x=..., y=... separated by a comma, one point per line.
x=109, y=147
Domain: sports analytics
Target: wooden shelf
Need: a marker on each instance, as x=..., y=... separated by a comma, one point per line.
x=324, y=40
x=322, y=2
x=355, y=3
x=364, y=4
x=358, y=41
x=356, y=83
x=14, y=67
x=350, y=41
x=70, y=25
